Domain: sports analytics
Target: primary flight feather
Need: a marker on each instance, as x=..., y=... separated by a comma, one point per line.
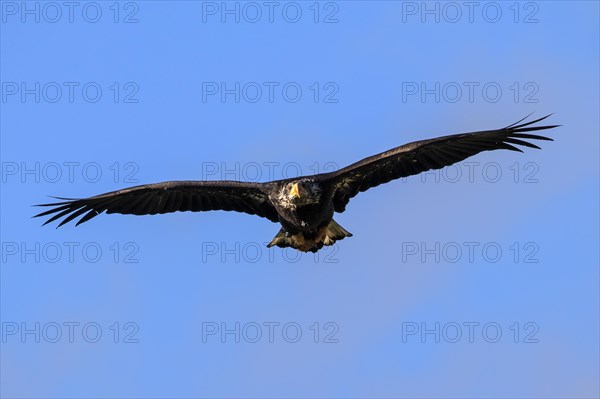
x=304, y=206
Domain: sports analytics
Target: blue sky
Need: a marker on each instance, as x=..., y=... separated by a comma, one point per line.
x=480, y=280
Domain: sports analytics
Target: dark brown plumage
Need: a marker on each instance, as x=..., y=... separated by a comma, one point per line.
x=304, y=205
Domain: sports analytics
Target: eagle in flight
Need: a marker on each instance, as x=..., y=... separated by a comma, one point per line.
x=304, y=206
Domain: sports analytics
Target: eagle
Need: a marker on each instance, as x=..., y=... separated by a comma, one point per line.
x=304, y=206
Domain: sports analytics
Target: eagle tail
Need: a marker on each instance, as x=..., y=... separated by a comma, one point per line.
x=326, y=235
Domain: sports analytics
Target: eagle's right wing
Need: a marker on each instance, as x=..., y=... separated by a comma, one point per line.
x=172, y=196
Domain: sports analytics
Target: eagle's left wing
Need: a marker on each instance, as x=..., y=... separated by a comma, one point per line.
x=420, y=156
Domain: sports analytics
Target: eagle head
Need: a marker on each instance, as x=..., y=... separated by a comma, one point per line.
x=302, y=192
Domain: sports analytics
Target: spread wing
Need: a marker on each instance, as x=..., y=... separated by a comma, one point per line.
x=172, y=196
x=420, y=156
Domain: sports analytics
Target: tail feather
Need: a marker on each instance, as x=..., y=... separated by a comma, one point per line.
x=326, y=235
x=335, y=231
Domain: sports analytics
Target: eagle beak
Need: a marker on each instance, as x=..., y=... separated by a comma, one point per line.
x=294, y=191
